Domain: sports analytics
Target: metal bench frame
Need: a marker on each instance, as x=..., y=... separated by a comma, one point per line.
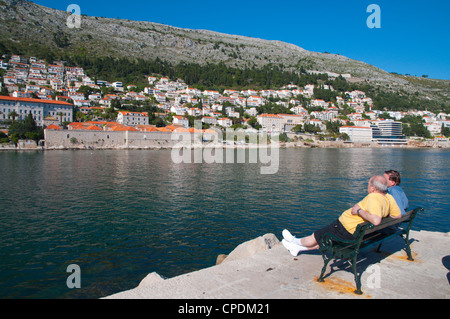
x=366, y=235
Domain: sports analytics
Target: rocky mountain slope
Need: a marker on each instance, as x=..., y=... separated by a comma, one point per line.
x=28, y=25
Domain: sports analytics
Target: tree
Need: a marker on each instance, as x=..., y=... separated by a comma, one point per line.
x=445, y=130
x=324, y=94
x=13, y=114
x=333, y=127
x=4, y=138
x=157, y=121
x=60, y=114
x=413, y=126
x=253, y=122
x=298, y=128
x=25, y=129
x=283, y=137
x=386, y=116
x=29, y=123
x=311, y=128
x=80, y=116
x=4, y=91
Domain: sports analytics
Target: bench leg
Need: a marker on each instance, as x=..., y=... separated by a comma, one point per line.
x=379, y=247
x=408, y=248
x=358, y=290
x=324, y=268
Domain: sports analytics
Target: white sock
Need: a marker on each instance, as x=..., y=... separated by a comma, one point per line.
x=302, y=248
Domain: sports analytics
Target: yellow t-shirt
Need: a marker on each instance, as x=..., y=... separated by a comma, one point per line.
x=374, y=203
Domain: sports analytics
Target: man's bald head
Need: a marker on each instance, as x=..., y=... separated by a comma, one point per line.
x=379, y=183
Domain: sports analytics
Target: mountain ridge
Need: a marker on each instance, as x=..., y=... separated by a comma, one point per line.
x=32, y=26
x=150, y=40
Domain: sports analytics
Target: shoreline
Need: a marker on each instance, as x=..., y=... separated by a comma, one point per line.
x=298, y=144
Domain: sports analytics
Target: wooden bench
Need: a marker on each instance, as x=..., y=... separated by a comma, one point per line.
x=366, y=236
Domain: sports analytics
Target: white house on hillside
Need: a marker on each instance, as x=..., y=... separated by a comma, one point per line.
x=181, y=120
x=132, y=118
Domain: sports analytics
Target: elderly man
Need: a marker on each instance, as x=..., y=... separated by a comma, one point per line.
x=376, y=205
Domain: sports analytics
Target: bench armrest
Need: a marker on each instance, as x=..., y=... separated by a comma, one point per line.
x=327, y=240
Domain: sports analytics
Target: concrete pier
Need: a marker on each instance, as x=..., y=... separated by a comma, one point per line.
x=273, y=273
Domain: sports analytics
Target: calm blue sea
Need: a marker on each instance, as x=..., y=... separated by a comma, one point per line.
x=120, y=215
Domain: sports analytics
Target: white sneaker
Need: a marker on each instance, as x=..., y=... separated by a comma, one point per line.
x=293, y=248
x=288, y=236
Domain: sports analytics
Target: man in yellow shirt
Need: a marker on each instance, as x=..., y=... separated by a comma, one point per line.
x=375, y=206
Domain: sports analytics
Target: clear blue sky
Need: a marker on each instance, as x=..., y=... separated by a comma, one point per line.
x=414, y=37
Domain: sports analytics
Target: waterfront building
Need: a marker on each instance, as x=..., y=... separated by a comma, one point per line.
x=388, y=133
x=271, y=122
x=291, y=121
x=362, y=134
x=38, y=108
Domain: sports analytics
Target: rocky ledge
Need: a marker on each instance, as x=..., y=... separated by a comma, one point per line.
x=263, y=269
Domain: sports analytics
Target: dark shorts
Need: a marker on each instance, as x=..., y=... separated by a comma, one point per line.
x=335, y=228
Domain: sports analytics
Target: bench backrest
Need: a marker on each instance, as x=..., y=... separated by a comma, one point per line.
x=368, y=227
x=327, y=241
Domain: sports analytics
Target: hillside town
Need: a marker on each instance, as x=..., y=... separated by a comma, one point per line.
x=60, y=97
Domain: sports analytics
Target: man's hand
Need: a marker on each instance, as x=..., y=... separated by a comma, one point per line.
x=355, y=209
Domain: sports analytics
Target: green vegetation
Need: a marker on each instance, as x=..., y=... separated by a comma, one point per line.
x=25, y=129
x=253, y=122
x=413, y=126
x=273, y=108
x=400, y=100
x=4, y=138
x=210, y=76
x=445, y=131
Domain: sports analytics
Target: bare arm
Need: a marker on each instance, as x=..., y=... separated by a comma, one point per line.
x=366, y=215
x=394, y=210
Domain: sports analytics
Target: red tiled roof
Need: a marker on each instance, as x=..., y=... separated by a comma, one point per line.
x=123, y=128
x=53, y=127
x=24, y=99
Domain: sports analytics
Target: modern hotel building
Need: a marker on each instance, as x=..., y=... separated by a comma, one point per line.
x=388, y=133
x=382, y=132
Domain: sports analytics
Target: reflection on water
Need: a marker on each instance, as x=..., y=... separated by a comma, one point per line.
x=120, y=215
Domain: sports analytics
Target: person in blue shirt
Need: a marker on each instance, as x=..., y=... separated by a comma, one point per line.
x=393, y=179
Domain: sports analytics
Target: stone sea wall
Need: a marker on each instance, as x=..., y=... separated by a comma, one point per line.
x=81, y=139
